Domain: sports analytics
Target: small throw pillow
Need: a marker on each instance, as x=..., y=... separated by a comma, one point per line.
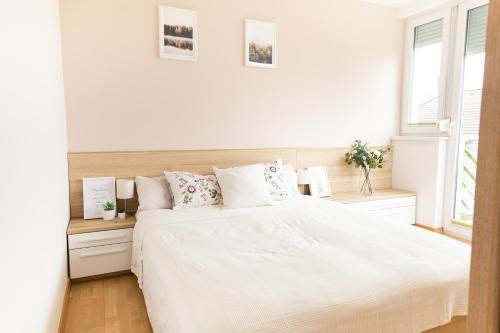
x=244, y=186
x=153, y=193
x=275, y=179
x=192, y=190
x=292, y=181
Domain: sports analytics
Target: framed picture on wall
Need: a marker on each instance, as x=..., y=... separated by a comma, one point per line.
x=319, y=183
x=96, y=192
x=260, y=44
x=178, y=34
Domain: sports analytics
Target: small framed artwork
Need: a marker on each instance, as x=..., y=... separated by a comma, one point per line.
x=260, y=44
x=96, y=192
x=178, y=33
x=319, y=184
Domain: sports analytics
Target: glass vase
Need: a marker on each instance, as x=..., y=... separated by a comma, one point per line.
x=366, y=187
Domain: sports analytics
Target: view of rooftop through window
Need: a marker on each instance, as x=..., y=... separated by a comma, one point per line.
x=427, y=53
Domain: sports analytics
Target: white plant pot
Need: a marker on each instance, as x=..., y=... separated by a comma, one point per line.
x=121, y=216
x=108, y=215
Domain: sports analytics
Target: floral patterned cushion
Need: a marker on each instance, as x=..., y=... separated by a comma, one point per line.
x=275, y=179
x=192, y=190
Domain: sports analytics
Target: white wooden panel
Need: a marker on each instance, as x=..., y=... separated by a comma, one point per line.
x=401, y=210
x=424, y=176
x=402, y=214
x=100, y=260
x=386, y=203
x=100, y=238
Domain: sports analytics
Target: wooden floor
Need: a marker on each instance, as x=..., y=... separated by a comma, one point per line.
x=107, y=305
x=116, y=305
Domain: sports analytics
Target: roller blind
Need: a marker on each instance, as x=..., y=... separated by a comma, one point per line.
x=428, y=34
x=477, y=22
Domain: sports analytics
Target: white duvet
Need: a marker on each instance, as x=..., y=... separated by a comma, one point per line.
x=306, y=265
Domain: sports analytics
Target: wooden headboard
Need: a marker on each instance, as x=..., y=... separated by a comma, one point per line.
x=123, y=165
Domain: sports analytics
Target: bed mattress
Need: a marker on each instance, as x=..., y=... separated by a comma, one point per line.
x=305, y=265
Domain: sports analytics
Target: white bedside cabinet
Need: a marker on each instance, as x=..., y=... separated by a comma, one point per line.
x=97, y=247
x=397, y=205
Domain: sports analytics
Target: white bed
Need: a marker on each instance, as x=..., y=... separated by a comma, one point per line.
x=305, y=265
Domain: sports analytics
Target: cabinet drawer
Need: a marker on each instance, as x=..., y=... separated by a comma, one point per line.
x=386, y=204
x=400, y=214
x=100, y=260
x=100, y=238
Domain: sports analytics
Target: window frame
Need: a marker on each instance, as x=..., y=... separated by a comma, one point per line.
x=449, y=223
x=425, y=128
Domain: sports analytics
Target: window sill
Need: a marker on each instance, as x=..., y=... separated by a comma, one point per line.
x=414, y=137
x=418, y=125
x=462, y=223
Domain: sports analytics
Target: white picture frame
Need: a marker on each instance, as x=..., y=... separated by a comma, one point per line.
x=178, y=29
x=262, y=35
x=96, y=192
x=319, y=183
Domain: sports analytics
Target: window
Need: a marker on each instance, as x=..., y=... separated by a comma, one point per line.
x=427, y=49
x=463, y=108
x=473, y=59
x=451, y=40
x=427, y=42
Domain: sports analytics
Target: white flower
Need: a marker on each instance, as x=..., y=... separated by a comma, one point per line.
x=354, y=151
x=364, y=157
x=376, y=153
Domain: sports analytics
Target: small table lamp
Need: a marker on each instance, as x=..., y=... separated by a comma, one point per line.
x=303, y=179
x=124, y=191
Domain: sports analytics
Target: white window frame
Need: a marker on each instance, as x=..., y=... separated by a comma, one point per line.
x=431, y=128
x=454, y=153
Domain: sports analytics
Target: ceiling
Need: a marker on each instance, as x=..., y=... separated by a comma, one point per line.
x=408, y=8
x=392, y=3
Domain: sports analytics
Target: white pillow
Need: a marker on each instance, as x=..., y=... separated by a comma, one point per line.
x=275, y=179
x=192, y=190
x=244, y=186
x=292, y=181
x=153, y=193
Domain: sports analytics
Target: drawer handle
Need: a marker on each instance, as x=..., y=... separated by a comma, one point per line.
x=95, y=254
x=96, y=239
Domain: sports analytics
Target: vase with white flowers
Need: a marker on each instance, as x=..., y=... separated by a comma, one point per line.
x=367, y=159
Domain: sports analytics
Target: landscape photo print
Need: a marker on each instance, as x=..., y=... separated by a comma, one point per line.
x=260, y=44
x=178, y=35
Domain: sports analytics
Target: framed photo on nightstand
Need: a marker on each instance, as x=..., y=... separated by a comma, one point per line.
x=319, y=184
x=96, y=192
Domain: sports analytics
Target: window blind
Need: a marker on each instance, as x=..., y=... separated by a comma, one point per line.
x=428, y=34
x=477, y=22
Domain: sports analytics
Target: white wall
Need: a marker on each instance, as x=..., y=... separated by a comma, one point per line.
x=419, y=165
x=338, y=76
x=34, y=189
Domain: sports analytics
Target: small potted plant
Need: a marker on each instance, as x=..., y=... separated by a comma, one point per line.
x=367, y=159
x=108, y=211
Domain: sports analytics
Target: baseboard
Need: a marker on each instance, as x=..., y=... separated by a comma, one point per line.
x=64, y=310
x=437, y=230
x=101, y=276
x=457, y=324
x=458, y=237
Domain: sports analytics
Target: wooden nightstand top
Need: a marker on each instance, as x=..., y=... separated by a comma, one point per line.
x=355, y=197
x=81, y=226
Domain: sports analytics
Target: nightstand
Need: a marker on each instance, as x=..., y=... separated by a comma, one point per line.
x=97, y=247
x=394, y=204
